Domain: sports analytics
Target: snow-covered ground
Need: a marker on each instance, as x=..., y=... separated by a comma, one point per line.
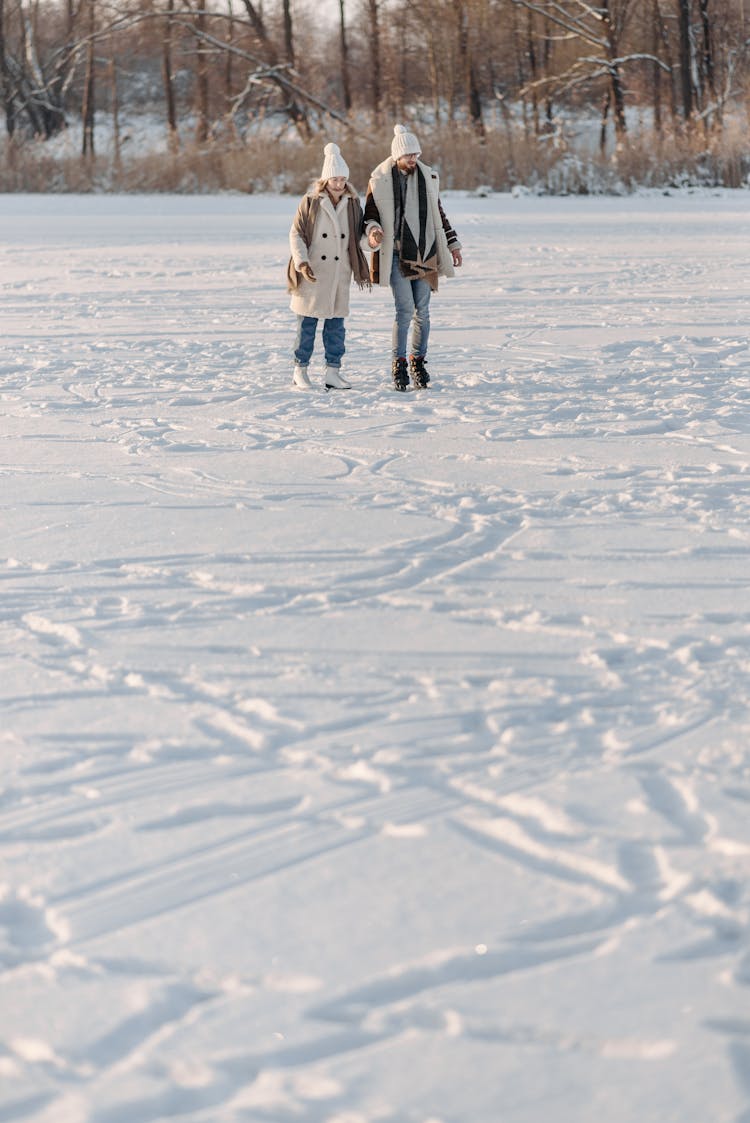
x=375, y=758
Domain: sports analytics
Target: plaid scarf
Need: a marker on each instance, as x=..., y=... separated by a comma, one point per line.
x=416, y=235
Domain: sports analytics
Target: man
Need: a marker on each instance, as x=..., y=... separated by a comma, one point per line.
x=414, y=243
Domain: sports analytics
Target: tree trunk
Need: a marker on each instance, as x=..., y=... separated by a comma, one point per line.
x=606, y=103
x=228, y=70
x=663, y=36
x=30, y=78
x=615, y=73
x=531, y=55
x=656, y=70
x=115, y=98
x=471, y=90
x=201, y=87
x=686, y=54
x=707, y=67
x=375, y=58
x=618, y=100
x=345, y=80
x=166, y=70
x=87, y=109
x=288, y=34
x=399, y=74
x=549, y=108
x=259, y=27
x=432, y=55
x=6, y=85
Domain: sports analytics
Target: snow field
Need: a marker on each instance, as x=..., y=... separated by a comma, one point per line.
x=375, y=758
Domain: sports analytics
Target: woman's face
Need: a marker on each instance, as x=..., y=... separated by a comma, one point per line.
x=336, y=184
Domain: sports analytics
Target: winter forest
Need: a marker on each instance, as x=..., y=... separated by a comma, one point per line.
x=561, y=96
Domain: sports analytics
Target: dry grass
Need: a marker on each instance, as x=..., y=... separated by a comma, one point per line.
x=717, y=159
x=504, y=159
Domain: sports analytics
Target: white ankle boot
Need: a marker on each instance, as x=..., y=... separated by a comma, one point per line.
x=300, y=378
x=334, y=380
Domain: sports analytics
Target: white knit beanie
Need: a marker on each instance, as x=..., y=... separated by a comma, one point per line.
x=404, y=143
x=334, y=163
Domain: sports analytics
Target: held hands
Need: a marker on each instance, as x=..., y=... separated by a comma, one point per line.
x=306, y=270
x=375, y=239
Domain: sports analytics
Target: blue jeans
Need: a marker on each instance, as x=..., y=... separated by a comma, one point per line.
x=412, y=307
x=334, y=335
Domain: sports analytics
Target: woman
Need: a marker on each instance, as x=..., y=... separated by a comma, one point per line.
x=326, y=254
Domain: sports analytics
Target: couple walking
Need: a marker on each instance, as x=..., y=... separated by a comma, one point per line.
x=412, y=242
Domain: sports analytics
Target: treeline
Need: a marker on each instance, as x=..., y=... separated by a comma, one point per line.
x=216, y=72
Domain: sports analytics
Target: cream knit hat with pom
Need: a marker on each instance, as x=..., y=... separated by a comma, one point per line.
x=404, y=143
x=334, y=163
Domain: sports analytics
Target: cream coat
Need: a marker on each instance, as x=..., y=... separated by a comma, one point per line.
x=381, y=188
x=328, y=255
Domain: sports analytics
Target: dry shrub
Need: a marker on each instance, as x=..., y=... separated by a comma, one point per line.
x=697, y=157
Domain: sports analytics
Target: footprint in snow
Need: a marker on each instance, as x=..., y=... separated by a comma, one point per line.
x=28, y=929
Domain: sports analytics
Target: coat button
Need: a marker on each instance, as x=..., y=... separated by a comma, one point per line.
x=322, y=257
x=335, y=259
x=343, y=235
x=325, y=235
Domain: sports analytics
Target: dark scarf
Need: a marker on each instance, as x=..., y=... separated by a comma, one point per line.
x=304, y=225
x=415, y=231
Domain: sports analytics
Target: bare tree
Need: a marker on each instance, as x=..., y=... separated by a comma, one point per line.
x=6, y=81
x=168, y=77
x=345, y=79
x=601, y=32
x=201, y=78
x=662, y=48
x=257, y=22
x=271, y=57
x=706, y=67
x=376, y=55
x=537, y=49
x=473, y=100
x=36, y=70
x=229, y=57
x=686, y=59
x=114, y=97
x=698, y=81
x=89, y=85
x=288, y=32
x=433, y=54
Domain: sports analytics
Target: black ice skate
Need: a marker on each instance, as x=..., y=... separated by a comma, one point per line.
x=419, y=374
x=400, y=374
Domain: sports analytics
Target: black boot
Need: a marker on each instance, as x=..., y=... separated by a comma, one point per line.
x=419, y=374
x=400, y=374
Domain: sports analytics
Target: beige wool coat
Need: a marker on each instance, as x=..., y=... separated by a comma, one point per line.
x=328, y=254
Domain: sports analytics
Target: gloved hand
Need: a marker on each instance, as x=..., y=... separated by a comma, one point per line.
x=306, y=271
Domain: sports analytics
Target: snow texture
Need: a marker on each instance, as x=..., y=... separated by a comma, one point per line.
x=375, y=758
